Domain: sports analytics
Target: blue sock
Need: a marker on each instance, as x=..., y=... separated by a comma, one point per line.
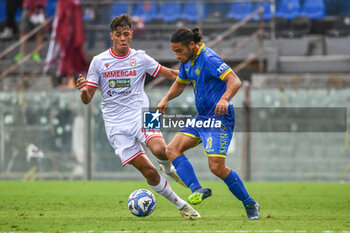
x=185, y=171
x=236, y=187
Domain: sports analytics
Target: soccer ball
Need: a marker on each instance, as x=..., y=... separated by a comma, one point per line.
x=141, y=202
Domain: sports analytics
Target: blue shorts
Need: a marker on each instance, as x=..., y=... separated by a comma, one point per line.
x=215, y=141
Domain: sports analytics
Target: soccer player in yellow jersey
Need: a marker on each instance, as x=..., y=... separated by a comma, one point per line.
x=214, y=84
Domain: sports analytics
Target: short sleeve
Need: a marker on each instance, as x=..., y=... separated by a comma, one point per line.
x=182, y=77
x=93, y=75
x=152, y=66
x=217, y=67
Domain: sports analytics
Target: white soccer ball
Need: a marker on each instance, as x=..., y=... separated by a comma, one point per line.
x=141, y=202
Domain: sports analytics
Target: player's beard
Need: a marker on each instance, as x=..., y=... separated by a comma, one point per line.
x=190, y=55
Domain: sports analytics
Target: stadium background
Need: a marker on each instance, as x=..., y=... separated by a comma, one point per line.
x=304, y=62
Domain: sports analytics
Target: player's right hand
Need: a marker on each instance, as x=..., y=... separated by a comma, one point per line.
x=82, y=83
x=162, y=106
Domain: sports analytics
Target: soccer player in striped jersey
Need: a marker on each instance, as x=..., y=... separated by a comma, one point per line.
x=214, y=85
x=120, y=74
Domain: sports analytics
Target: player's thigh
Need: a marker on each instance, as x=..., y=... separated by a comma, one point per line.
x=216, y=142
x=179, y=144
x=154, y=140
x=125, y=145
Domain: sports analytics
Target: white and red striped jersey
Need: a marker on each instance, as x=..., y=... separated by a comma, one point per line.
x=121, y=81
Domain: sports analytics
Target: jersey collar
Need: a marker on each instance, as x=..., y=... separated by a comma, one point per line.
x=201, y=46
x=119, y=57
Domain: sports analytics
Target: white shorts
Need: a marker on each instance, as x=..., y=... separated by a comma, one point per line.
x=126, y=140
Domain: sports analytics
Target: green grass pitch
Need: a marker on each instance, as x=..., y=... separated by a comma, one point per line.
x=65, y=206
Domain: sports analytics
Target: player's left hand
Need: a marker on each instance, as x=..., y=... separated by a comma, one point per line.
x=221, y=108
x=162, y=106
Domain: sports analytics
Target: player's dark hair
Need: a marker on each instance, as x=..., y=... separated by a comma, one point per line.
x=186, y=35
x=123, y=20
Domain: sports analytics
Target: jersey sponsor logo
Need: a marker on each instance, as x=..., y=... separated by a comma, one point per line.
x=119, y=83
x=119, y=74
x=222, y=68
x=122, y=93
x=132, y=62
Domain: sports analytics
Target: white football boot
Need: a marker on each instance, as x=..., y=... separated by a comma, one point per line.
x=172, y=174
x=187, y=211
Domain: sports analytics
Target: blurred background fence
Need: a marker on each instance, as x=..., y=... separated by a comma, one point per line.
x=42, y=137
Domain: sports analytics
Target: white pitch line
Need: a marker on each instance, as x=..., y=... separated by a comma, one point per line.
x=196, y=231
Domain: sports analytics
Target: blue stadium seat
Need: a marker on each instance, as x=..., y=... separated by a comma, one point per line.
x=288, y=9
x=146, y=11
x=169, y=12
x=344, y=7
x=138, y=10
x=239, y=10
x=190, y=12
x=18, y=15
x=118, y=9
x=314, y=9
x=267, y=10
x=51, y=8
x=2, y=10
x=216, y=10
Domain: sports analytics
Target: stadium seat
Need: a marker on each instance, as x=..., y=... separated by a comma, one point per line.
x=51, y=8
x=267, y=10
x=280, y=27
x=146, y=11
x=239, y=10
x=18, y=15
x=190, y=12
x=344, y=7
x=314, y=9
x=2, y=11
x=169, y=12
x=288, y=9
x=341, y=28
x=139, y=10
x=118, y=9
x=300, y=26
x=216, y=10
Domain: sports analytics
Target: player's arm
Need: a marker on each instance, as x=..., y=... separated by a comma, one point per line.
x=175, y=90
x=87, y=92
x=168, y=73
x=233, y=85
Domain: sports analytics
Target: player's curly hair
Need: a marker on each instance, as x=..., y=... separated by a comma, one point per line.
x=186, y=35
x=123, y=20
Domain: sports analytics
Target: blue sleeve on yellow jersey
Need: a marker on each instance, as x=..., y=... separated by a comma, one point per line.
x=217, y=67
x=182, y=76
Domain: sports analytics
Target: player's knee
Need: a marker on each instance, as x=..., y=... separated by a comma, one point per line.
x=159, y=151
x=214, y=168
x=217, y=169
x=171, y=152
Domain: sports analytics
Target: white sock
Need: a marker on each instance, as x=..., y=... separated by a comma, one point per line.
x=166, y=164
x=164, y=189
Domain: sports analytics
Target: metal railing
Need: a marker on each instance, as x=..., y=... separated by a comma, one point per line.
x=20, y=42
